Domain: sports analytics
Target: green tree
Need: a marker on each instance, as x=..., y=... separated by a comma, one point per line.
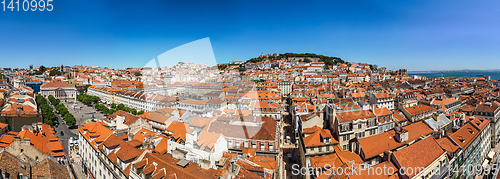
x=112, y=111
x=87, y=87
x=120, y=107
x=241, y=69
x=105, y=110
x=54, y=72
x=63, y=111
x=3, y=77
x=47, y=121
x=137, y=74
x=69, y=119
x=42, y=69
x=113, y=105
x=133, y=111
x=53, y=100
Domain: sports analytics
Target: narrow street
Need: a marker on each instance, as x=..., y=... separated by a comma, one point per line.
x=64, y=133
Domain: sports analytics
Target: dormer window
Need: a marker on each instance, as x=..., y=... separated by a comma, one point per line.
x=470, y=130
x=461, y=139
x=326, y=140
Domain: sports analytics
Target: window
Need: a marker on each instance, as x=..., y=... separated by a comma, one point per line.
x=359, y=126
x=320, y=149
x=262, y=146
x=327, y=148
x=254, y=144
x=245, y=144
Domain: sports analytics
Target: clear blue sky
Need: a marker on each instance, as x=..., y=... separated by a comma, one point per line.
x=412, y=34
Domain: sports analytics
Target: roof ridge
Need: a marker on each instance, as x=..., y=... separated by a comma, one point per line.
x=172, y=166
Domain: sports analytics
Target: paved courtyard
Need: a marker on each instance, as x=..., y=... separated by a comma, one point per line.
x=84, y=113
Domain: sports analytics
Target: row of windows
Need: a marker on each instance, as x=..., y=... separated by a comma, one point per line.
x=253, y=143
x=320, y=149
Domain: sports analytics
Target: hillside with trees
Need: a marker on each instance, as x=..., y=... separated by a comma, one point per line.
x=307, y=58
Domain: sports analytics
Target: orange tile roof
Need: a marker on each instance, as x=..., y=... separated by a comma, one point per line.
x=6, y=139
x=358, y=95
x=354, y=115
x=129, y=118
x=57, y=84
x=315, y=139
x=377, y=144
x=55, y=146
x=387, y=166
x=266, y=162
x=465, y=135
x=44, y=142
x=448, y=145
x=418, y=109
x=419, y=154
x=127, y=152
x=162, y=146
x=178, y=130
x=143, y=133
x=382, y=111
x=207, y=140
x=166, y=165
x=382, y=95
x=200, y=121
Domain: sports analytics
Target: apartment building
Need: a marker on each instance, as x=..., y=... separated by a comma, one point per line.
x=256, y=132
x=268, y=109
x=20, y=109
x=382, y=100
x=418, y=112
x=318, y=141
x=133, y=99
x=384, y=119
x=490, y=111
x=446, y=105
x=469, y=139
x=351, y=125
x=285, y=86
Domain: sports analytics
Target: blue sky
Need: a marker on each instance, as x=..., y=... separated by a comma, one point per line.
x=413, y=34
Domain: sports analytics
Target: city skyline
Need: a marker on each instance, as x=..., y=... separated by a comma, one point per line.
x=448, y=35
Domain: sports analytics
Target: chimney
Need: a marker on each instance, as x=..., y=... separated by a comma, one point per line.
x=401, y=136
x=436, y=116
x=387, y=155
